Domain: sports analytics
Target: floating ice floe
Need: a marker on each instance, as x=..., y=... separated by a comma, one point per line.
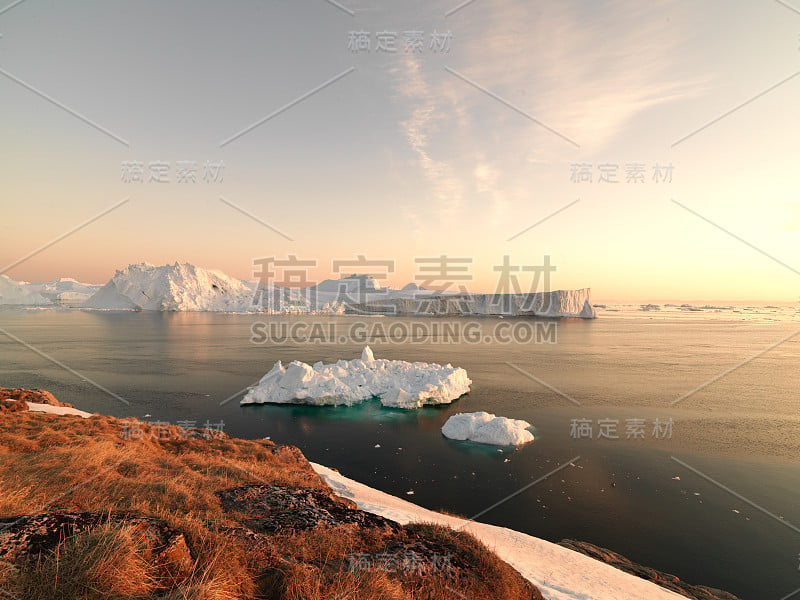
x=486, y=428
x=397, y=383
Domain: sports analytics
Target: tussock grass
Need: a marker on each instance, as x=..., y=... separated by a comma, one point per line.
x=51, y=463
x=104, y=563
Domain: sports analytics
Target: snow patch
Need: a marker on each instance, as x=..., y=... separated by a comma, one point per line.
x=57, y=410
x=558, y=572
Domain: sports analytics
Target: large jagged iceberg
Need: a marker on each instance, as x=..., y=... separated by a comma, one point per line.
x=486, y=428
x=397, y=383
x=178, y=287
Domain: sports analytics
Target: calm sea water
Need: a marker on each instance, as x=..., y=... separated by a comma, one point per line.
x=632, y=495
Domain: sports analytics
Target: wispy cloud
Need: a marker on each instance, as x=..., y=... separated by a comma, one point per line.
x=427, y=118
x=584, y=69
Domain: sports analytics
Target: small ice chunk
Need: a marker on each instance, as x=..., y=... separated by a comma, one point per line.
x=486, y=428
x=366, y=355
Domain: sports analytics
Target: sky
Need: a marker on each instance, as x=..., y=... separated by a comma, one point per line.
x=222, y=133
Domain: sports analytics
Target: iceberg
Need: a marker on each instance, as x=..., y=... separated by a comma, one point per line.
x=20, y=293
x=486, y=428
x=65, y=292
x=185, y=287
x=178, y=287
x=362, y=295
x=410, y=302
x=397, y=383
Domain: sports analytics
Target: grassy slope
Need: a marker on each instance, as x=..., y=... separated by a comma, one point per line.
x=52, y=464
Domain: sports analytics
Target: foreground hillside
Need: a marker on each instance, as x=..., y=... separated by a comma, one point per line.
x=87, y=512
x=96, y=507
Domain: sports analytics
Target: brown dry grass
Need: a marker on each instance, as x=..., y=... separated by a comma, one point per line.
x=103, y=563
x=50, y=463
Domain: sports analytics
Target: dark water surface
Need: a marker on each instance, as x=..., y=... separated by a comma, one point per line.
x=630, y=495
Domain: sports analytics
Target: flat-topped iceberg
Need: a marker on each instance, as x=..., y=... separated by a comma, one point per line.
x=397, y=383
x=486, y=428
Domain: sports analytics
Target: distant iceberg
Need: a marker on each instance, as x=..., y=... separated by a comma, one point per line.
x=397, y=383
x=649, y=307
x=408, y=302
x=20, y=293
x=177, y=287
x=185, y=287
x=486, y=428
x=62, y=292
x=65, y=292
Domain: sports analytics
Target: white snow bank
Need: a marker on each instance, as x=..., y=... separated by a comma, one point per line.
x=486, y=428
x=398, y=384
x=559, y=573
x=57, y=410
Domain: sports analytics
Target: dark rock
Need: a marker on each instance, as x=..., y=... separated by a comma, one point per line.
x=665, y=580
x=272, y=507
x=28, y=537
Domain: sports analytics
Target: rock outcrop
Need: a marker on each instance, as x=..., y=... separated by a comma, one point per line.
x=34, y=396
x=271, y=508
x=29, y=538
x=665, y=580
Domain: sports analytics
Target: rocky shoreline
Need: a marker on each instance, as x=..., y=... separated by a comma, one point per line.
x=665, y=580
